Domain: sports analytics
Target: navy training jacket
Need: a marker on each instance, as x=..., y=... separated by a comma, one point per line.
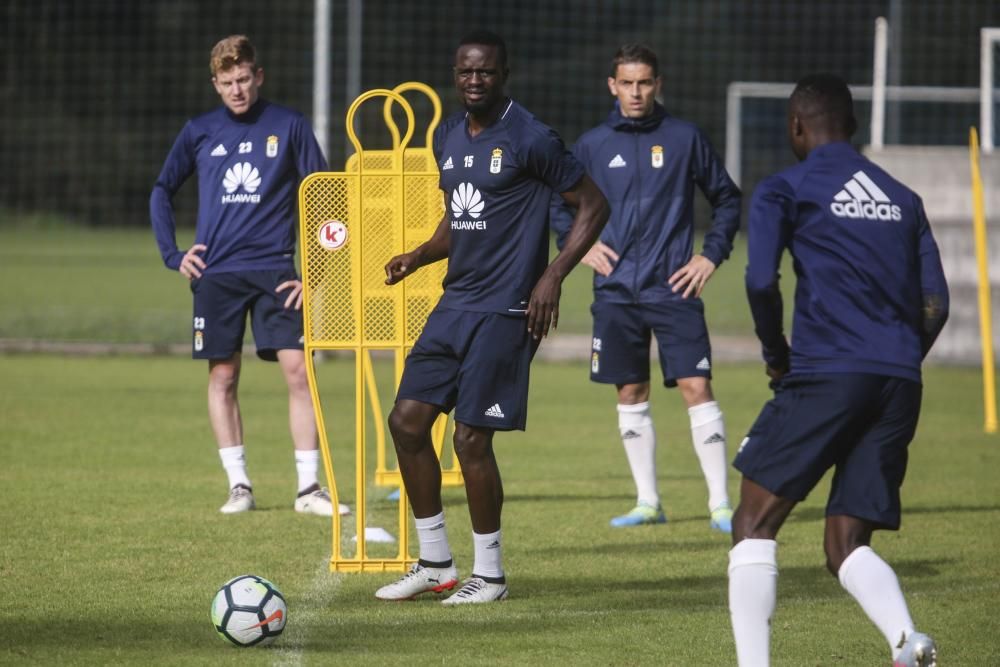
x=870, y=292
x=248, y=168
x=648, y=168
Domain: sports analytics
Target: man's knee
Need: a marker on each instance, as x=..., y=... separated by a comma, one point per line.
x=293, y=366
x=752, y=523
x=844, y=534
x=223, y=377
x=695, y=390
x=297, y=380
x=760, y=513
x=631, y=394
x=472, y=444
x=409, y=433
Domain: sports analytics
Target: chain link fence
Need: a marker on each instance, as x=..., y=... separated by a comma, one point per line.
x=92, y=94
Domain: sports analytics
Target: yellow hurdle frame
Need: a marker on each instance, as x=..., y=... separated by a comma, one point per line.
x=982, y=266
x=388, y=201
x=419, y=214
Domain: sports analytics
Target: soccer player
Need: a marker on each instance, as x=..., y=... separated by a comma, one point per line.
x=646, y=279
x=499, y=166
x=870, y=300
x=250, y=155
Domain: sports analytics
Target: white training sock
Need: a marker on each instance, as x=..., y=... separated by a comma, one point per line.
x=708, y=433
x=433, y=539
x=871, y=582
x=753, y=585
x=306, y=465
x=235, y=464
x=639, y=440
x=488, y=558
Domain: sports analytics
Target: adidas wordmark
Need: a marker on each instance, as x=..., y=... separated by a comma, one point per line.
x=494, y=411
x=861, y=198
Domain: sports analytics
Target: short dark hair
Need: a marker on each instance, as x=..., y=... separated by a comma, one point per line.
x=827, y=99
x=487, y=38
x=635, y=53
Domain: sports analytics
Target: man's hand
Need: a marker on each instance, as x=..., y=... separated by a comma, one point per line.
x=600, y=258
x=693, y=276
x=543, y=305
x=295, y=296
x=191, y=264
x=399, y=267
x=776, y=374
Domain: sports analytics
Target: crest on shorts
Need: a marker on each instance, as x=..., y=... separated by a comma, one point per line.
x=199, y=341
x=495, y=161
x=656, y=156
x=272, y=146
x=595, y=362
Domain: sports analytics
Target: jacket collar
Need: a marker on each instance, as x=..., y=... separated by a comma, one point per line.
x=251, y=115
x=833, y=149
x=620, y=123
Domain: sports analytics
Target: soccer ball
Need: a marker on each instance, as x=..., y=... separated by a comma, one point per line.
x=249, y=611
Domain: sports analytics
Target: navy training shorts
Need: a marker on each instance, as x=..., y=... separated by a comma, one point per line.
x=620, y=345
x=476, y=363
x=221, y=304
x=860, y=424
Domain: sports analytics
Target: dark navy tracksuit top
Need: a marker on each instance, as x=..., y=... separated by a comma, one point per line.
x=249, y=168
x=497, y=187
x=870, y=295
x=647, y=169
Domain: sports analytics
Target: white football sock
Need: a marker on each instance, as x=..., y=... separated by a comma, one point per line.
x=306, y=465
x=433, y=539
x=488, y=558
x=753, y=584
x=639, y=439
x=235, y=464
x=871, y=582
x=708, y=433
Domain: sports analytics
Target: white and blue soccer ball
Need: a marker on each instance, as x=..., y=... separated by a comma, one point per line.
x=249, y=611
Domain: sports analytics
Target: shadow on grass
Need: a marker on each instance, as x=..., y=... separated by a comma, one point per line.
x=541, y=610
x=677, y=593
x=566, y=497
x=631, y=549
x=819, y=513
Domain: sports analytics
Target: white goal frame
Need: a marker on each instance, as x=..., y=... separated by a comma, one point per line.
x=878, y=93
x=737, y=91
x=988, y=37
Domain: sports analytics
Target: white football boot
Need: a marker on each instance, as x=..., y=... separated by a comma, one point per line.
x=477, y=590
x=419, y=580
x=317, y=501
x=918, y=651
x=240, y=500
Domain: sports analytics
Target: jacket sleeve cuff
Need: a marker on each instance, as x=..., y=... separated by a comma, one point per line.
x=777, y=357
x=712, y=255
x=173, y=260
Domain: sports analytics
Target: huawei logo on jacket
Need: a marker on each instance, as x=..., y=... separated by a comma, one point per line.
x=245, y=176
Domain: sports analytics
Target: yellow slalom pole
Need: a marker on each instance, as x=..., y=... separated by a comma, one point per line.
x=985, y=311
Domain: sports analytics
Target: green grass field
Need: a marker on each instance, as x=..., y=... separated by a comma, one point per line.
x=70, y=283
x=112, y=546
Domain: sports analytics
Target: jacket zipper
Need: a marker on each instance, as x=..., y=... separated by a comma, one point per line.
x=638, y=208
